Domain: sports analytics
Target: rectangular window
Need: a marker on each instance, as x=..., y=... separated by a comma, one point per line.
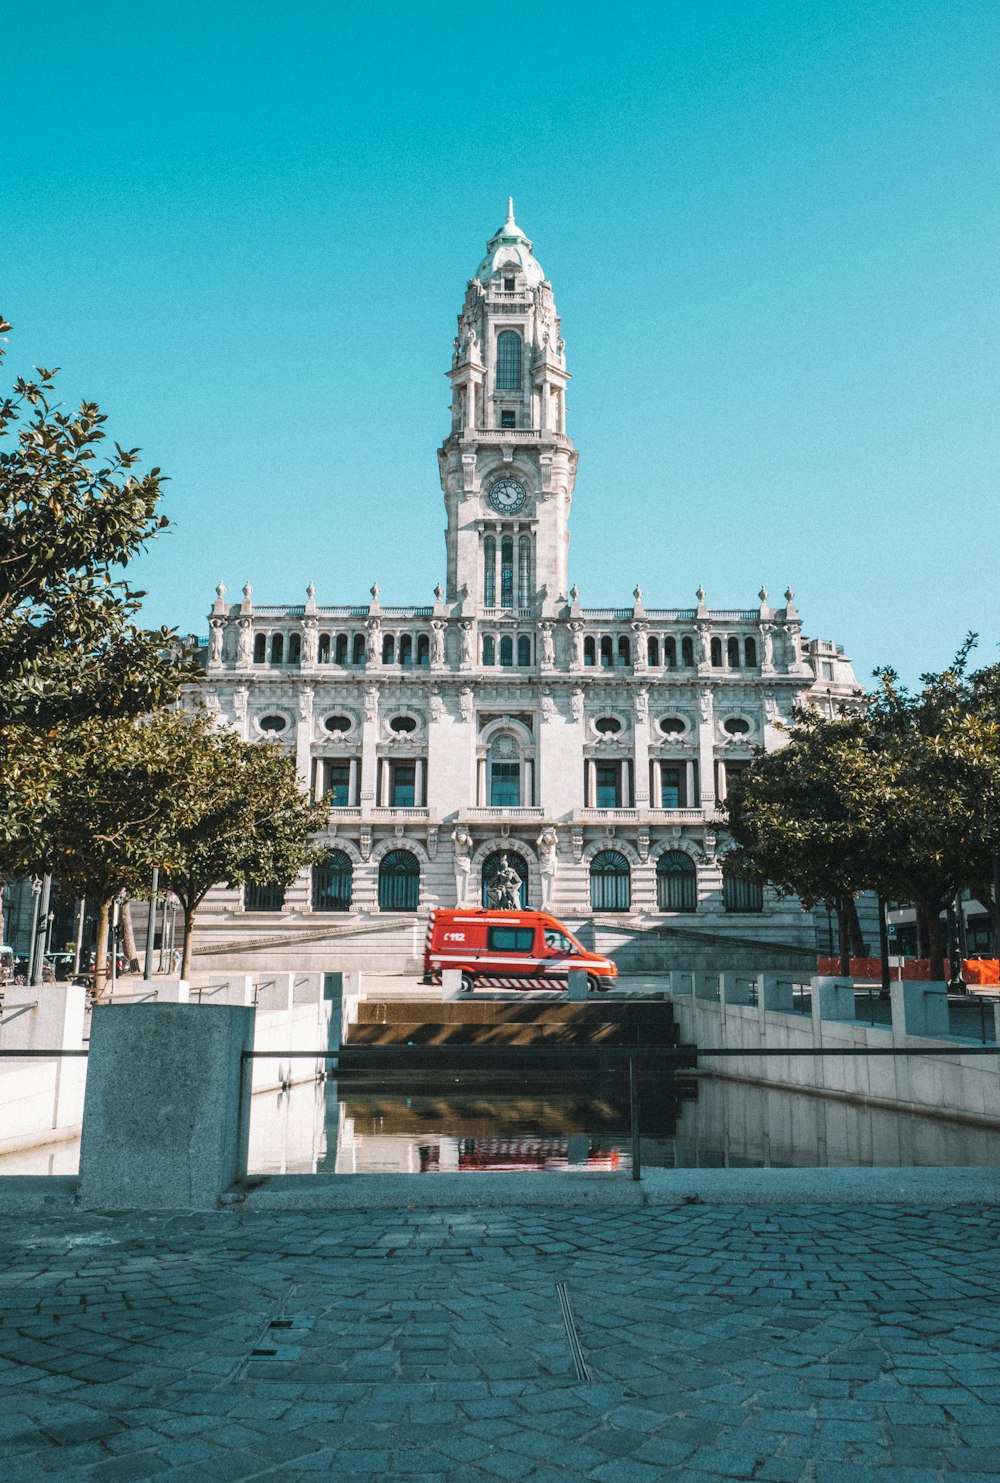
x=403, y=785
x=508, y=418
x=510, y=939
x=505, y=785
x=508, y=285
x=338, y=784
x=672, y=788
x=608, y=784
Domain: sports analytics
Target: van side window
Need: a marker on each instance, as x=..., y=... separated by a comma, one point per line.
x=510, y=939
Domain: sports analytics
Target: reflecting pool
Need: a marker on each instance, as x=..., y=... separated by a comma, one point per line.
x=479, y=1123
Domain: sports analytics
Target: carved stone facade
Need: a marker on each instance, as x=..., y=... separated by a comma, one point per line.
x=591, y=745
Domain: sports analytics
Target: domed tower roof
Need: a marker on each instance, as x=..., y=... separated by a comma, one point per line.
x=510, y=248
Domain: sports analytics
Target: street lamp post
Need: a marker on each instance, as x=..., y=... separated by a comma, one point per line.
x=147, y=967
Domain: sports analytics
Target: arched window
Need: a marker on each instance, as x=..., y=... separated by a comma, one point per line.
x=259, y=648
x=733, y=653
x=653, y=652
x=277, y=648
x=717, y=652
x=687, y=652
x=676, y=882
x=295, y=648
x=358, y=649
x=399, y=881
x=406, y=650
x=739, y=894
x=490, y=572
x=524, y=651
x=323, y=649
x=610, y=882
x=524, y=571
x=508, y=361
x=332, y=879
x=670, y=653
x=750, y=650
x=507, y=572
x=340, y=649
x=493, y=863
x=504, y=763
x=388, y=649
x=607, y=653
x=489, y=649
x=267, y=897
x=589, y=651
x=423, y=650
x=507, y=650
x=624, y=653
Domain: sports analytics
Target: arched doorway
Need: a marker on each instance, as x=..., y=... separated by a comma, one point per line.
x=610, y=882
x=398, y=881
x=493, y=863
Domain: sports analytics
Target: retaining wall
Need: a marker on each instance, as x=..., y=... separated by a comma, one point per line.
x=752, y=1011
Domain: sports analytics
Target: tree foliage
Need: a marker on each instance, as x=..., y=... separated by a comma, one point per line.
x=70, y=521
x=902, y=798
x=245, y=819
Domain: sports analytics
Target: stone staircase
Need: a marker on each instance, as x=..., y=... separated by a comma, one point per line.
x=484, y=1023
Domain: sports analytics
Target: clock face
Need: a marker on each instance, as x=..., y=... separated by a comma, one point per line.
x=507, y=496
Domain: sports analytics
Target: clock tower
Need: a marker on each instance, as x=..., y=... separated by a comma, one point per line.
x=507, y=466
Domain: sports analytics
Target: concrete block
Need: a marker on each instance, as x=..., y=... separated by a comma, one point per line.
x=834, y=998
x=451, y=983
x=920, y=1009
x=708, y=986
x=738, y=988
x=778, y=993
x=171, y=990
x=274, y=991
x=577, y=984
x=682, y=982
x=167, y=1111
x=43, y=1017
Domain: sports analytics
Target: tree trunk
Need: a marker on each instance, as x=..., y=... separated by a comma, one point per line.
x=189, y=914
x=132, y=963
x=844, y=934
x=101, y=950
x=935, y=946
x=854, y=928
x=922, y=933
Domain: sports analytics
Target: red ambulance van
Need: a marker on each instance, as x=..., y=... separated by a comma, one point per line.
x=509, y=949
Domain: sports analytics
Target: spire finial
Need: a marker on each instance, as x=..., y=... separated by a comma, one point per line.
x=510, y=209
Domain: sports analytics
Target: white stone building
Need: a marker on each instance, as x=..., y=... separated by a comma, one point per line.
x=592, y=745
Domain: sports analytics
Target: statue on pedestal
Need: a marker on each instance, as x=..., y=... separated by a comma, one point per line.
x=504, y=889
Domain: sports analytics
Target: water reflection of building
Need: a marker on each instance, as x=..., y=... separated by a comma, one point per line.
x=592, y=745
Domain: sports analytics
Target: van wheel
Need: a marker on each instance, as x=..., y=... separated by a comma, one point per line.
x=468, y=983
x=597, y=985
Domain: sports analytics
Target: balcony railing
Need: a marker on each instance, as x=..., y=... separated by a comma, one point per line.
x=515, y=815
x=400, y=813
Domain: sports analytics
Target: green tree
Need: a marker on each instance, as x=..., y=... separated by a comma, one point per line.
x=803, y=818
x=242, y=818
x=902, y=799
x=110, y=795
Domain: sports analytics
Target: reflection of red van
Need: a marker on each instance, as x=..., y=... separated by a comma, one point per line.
x=509, y=949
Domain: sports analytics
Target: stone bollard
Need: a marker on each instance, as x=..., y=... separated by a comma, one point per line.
x=167, y=1112
x=577, y=986
x=833, y=999
x=919, y=1009
x=451, y=983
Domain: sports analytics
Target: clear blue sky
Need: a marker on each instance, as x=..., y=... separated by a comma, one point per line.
x=772, y=230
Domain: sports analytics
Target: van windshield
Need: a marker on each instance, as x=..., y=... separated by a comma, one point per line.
x=560, y=942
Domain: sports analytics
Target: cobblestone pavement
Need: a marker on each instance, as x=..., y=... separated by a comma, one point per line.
x=820, y=1344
